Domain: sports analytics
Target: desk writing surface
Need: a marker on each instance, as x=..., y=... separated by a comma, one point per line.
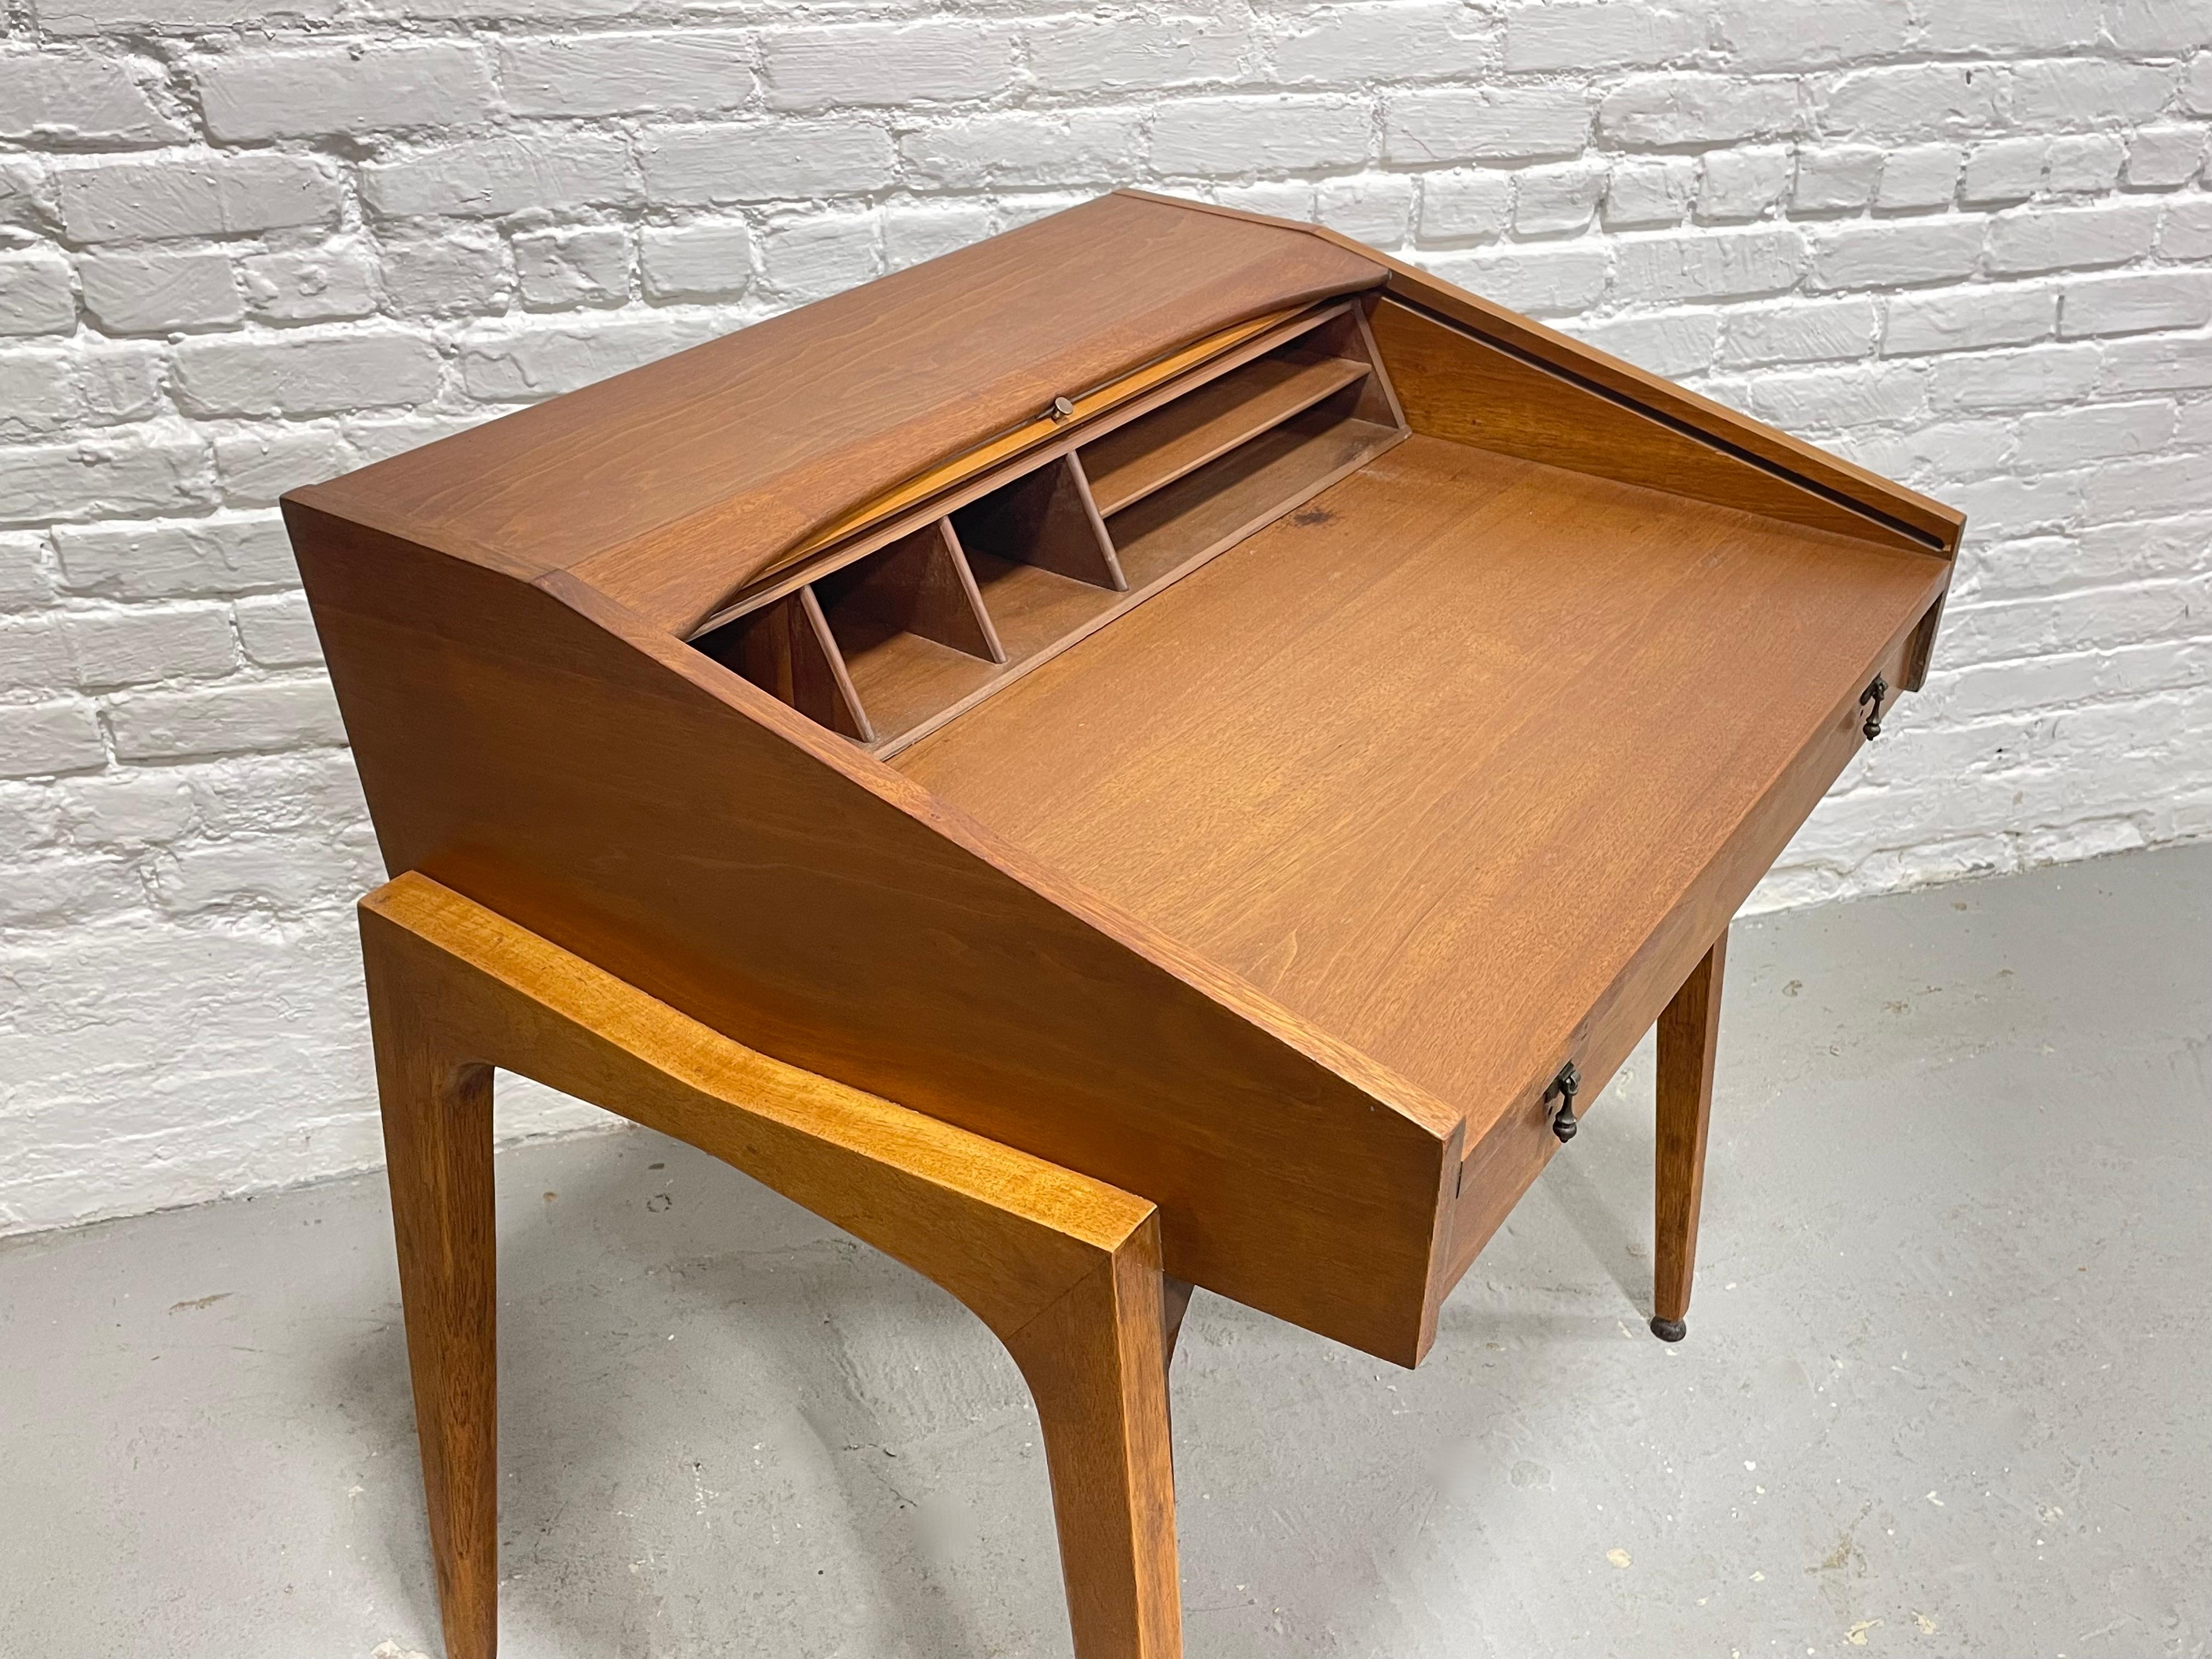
x=1428, y=760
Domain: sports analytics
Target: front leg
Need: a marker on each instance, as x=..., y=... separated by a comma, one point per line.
x=1064, y=1269
x=1688, y=1033
x=438, y=1152
x=1096, y=1364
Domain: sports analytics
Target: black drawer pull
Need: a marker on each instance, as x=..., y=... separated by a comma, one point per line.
x=1874, y=694
x=1566, y=1085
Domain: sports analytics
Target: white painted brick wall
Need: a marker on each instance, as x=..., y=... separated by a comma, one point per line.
x=245, y=246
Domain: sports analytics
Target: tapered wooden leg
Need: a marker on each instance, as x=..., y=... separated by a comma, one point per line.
x=1688, y=1034
x=1064, y=1269
x=437, y=1141
x=1096, y=1362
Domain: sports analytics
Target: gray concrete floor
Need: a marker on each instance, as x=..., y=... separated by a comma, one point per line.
x=1947, y=1388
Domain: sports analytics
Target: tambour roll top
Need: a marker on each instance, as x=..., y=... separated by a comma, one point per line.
x=670, y=487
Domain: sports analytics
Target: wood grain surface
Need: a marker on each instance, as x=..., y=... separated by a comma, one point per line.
x=1870, y=491
x=1081, y=410
x=1278, y=888
x=1503, y=727
x=788, y=650
x=1455, y=385
x=1045, y=519
x=1210, y=422
x=904, y=639
x=636, y=803
x=973, y=475
x=1505, y=1156
x=1204, y=513
x=920, y=585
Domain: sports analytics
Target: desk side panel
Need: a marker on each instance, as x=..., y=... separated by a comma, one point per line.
x=1457, y=385
x=1636, y=387
x=641, y=806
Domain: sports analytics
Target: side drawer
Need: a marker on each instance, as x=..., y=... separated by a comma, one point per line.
x=1506, y=1154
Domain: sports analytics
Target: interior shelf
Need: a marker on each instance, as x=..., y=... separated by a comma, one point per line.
x=1034, y=607
x=1226, y=500
x=917, y=625
x=1154, y=450
x=902, y=679
x=785, y=648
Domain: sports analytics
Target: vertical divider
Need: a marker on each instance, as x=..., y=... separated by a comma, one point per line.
x=1348, y=336
x=1378, y=399
x=1048, y=519
x=956, y=557
x=786, y=649
x=931, y=614
x=1081, y=481
x=920, y=585
x=822, y=688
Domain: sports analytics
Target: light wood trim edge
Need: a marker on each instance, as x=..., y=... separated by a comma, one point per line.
x=1088, y=405
x=853, y=1158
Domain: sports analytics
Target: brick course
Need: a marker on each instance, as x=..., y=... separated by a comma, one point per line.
x=243, y=247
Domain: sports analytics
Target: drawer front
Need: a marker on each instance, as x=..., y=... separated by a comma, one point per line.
x=1504, y=1156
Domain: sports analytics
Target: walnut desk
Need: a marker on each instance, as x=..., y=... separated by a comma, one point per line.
x=1165, y=748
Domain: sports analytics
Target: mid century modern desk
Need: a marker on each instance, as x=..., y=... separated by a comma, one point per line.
x=1166, y=748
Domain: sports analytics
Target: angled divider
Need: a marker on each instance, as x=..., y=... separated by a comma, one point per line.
x=893, y=640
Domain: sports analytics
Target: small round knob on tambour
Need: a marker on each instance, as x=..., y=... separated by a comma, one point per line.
x=1062, y=407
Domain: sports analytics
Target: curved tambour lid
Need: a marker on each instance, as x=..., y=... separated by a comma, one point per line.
x=671, y=487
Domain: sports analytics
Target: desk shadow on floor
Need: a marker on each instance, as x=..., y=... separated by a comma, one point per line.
x=1590, y=1203
x=1466, y=1446
x=723, y=1422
